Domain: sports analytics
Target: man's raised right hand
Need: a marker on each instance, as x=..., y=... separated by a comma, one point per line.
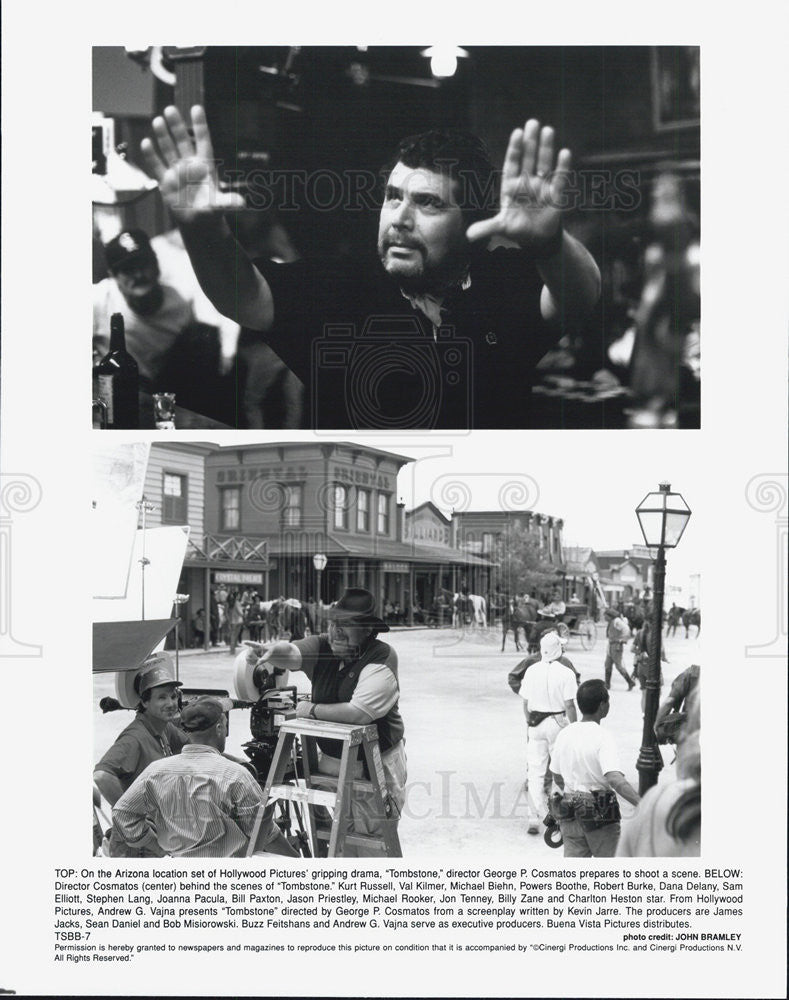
x=185, y=168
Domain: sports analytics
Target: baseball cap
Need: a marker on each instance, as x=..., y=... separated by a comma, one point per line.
x=132, y=246
x=203, y=713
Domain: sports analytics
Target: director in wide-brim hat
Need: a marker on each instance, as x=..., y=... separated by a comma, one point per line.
x=356, y=608
x=354, y=681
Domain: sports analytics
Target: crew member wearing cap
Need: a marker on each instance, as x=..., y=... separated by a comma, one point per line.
x=199, y=804
x=155, y=315
x=617, y=633
x=354, y=681
x=150, y=737
x=548, y=693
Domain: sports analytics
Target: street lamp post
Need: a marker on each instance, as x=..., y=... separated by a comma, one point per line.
x=662, y=516
x=178, y=600
x=319, y=561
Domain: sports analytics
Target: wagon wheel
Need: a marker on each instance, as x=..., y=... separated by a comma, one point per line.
x=588, y=633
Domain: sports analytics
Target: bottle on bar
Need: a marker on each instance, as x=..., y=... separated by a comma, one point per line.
x=116, y=380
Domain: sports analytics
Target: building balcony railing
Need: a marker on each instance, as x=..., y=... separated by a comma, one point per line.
x=214, y=548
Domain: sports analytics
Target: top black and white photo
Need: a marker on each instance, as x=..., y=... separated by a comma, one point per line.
x=397, y=238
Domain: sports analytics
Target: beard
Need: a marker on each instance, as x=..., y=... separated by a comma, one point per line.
x=345, y=651
x=413, y=272
x=407, y=270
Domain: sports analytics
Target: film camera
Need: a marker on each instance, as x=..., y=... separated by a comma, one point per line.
x=271, y=701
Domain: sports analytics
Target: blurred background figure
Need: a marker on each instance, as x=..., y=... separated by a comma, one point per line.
x=667, y=823
x=155, y=314
x=666, y=361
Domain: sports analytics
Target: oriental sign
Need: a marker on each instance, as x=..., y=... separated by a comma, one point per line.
x=279, y=473
x=360, y=477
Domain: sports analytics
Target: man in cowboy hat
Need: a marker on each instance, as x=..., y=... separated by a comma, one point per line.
x=618, y=633
x=354, y=681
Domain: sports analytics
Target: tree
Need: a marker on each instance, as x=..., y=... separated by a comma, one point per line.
x=522, y=566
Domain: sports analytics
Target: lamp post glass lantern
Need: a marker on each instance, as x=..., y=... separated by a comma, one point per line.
x=662, y=517
x=319, y=561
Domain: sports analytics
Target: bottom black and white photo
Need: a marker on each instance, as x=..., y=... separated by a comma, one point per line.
x=329, y=649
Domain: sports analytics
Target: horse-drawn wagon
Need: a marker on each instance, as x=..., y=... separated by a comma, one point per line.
x=578, y=622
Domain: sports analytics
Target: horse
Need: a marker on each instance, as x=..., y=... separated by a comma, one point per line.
x=469, y=609
x=518, y=615
x=292, y=618
x=634, y=613
x=692, y=617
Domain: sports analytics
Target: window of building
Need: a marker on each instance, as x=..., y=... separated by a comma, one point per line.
x=340, y=506
x=174, y=498
x=291, y=515
x=362, y=510
x=383, y=514
x=231, y=508
x=487, y=542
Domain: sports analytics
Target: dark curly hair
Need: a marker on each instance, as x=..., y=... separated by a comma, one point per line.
x=460, y=155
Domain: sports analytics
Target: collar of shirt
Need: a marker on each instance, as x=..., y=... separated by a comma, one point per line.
x=195, y=748
x=157, y=734
x=430, y=305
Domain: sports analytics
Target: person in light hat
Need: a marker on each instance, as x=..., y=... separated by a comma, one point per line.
x=354, y=680
x=515, y=681
x=548, y=692
x=200, y=804
x=151, y=736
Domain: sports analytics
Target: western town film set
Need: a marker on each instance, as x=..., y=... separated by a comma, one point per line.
x=387, y=535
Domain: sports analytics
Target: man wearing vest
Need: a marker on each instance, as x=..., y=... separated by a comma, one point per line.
x=354, y=681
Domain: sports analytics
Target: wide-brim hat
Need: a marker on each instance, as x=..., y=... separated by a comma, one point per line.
x=357, y=607
x=611, y=613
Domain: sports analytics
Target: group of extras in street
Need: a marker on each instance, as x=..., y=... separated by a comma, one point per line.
x=175, y=792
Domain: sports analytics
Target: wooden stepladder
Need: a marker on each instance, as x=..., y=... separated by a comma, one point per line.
x=359, y=743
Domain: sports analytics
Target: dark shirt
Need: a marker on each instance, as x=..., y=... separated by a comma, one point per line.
x=369, y=359
x=138, y=746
